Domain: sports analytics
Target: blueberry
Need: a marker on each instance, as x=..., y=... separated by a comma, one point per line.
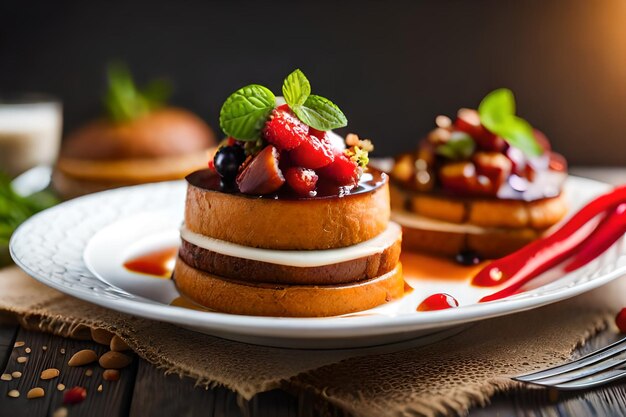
x=227, y=162
x=468, y=258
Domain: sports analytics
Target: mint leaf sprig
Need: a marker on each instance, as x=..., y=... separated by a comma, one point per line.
x=244, y=112
x=315, y=111
x=15, y=209
x=124, y=101
x=497, y=114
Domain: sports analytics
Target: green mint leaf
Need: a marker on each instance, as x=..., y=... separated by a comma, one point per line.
x=296, y=89
x=245, y=111
x=460, y=146
x=519, y=134
x=497, y=114
x=496, y=107
x=320, y=113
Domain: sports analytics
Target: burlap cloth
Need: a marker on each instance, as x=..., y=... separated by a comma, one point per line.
x=447, y=377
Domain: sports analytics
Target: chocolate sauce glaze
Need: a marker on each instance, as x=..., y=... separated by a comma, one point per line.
x=371, y=180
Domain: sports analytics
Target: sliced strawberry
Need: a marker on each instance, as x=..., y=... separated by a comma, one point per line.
x=284, y=130
x=261, y=175
x=301, y=180
x=342, y=171
x=313, y=153
x=320, y=134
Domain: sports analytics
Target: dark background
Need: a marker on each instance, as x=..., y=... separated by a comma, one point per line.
x=391, y=66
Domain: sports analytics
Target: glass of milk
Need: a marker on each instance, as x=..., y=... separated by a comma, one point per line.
x=30, y=132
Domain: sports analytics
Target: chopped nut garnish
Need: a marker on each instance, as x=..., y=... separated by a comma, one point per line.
x=111, y=375
x=50, y=373
x=89, y=372
x=19, y=344
x=22, y=359
x=443, y=121
x=60, y=412
x=352, y=139
x=16, y=374
x=83, y=357
x=27, y=350
x=36, y=392
x=100, y=388
x=13, y=393
x=60, y=387
x=44, y=347
x=6, y=377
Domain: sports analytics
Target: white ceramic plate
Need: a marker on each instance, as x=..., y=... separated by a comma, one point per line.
x=79, y=247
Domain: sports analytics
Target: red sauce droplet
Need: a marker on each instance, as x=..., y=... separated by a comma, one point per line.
x=153, y=263
x=439, y=301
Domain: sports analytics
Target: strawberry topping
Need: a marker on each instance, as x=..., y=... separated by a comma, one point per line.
x=284, y=130
x=301, y=180
x=313, y=153
x=342, y=171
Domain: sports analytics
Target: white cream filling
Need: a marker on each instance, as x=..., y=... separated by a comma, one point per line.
x=298, y=258
x=416, y=221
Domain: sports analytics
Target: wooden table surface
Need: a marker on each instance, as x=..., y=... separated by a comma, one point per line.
x=144, y=390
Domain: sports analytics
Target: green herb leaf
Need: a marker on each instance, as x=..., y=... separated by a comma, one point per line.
x=296, y=89
x=245, y=111
x=320, y=113
x=15, y=209
x=124, y=101
x=460, y=146
x=497, y=114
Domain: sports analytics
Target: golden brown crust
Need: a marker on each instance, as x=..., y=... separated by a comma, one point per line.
x=72, y=178
x=165, y=132
x=538, y=214
x=237, y=297
x=319, y=223
x=255, y=271
x=492, y=244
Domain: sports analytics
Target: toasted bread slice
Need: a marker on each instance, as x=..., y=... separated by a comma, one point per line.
x=288, y=224
x=514, y=214
x=239, y=297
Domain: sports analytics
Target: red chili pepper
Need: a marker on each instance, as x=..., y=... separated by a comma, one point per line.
x=608, y=231
x=541, y=255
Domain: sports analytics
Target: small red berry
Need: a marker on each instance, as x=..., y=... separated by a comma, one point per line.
x=620, y=320
x=74, y=395
x=342, y=171
x=439, y=301
x=301, y=180
x=284, y=130
x=313, y=153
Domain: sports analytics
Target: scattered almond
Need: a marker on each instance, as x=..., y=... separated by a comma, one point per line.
x=36, y=392
x=50, y=373
x=100, y=388
x=13, y=393
x=60, y=387
x=89, y=372
x=114, y=360
x=44, y=347
x=6, y=377
x=16, y=374
x=27, y=350
x=111, y=375
x=83, y=357
x=101, y=336
x=118, y=345
x=19, y=344
x=60, y=412
x=22, y=359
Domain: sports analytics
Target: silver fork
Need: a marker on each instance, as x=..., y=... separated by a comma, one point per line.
x=594, y=369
